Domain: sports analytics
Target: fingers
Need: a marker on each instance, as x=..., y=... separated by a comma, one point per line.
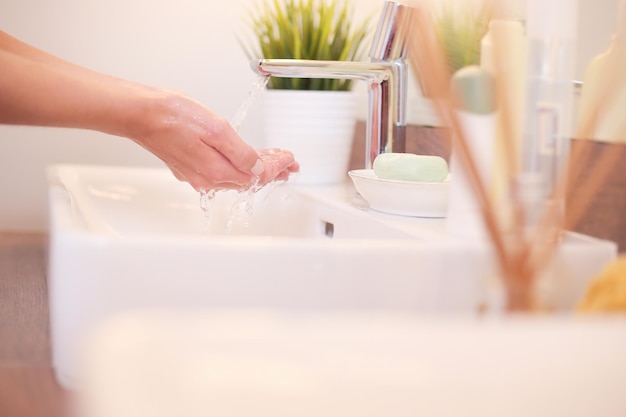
x=220, y=174
x=225, y=140
x=207, y=169
x=278, y=164
x=267, y=164
x=214, y=171
x=202, y=149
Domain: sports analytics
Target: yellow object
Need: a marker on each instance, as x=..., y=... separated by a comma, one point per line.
x=607, y=292
x=604, y=77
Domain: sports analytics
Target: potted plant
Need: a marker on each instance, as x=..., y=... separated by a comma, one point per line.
x=314, y=118
x=460, y=30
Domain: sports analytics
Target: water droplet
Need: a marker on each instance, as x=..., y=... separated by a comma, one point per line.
x=243, y=209
x=206, y=196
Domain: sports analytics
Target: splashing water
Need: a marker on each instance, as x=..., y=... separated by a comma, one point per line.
x=243, y=208
x=206, y=196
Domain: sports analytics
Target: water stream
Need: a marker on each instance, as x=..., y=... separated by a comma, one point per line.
x=243, y=208
x=257, y=86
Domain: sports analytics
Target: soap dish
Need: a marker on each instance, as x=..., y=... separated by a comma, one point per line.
x=405, y=198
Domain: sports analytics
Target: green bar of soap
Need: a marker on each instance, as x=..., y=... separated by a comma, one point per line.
x=410, y=167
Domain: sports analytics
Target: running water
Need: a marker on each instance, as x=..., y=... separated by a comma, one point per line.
x=257, y=86
x=206, y=196
x=243, y=208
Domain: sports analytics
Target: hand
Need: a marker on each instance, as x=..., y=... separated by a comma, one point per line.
x=202, y=148
x=199, y=147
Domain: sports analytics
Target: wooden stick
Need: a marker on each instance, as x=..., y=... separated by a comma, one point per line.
x=520, y=257
x=579, y=159
x=427, y=57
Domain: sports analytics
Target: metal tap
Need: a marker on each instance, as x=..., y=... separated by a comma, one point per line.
x=386, y=75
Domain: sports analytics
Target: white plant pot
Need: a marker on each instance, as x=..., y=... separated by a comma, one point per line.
x=317, y=126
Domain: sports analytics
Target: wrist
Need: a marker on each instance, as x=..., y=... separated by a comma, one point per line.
x=143, y=111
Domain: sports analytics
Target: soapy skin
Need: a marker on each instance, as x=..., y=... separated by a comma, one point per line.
x=410, y=167
x=199, y=146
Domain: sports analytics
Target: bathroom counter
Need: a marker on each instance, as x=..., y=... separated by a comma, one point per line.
x=27, y=384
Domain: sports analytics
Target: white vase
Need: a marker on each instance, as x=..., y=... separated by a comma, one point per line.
x=317, y=126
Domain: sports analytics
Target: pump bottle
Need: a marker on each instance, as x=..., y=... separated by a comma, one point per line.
x=547, y=126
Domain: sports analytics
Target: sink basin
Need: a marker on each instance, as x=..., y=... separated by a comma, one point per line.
x=125, y=238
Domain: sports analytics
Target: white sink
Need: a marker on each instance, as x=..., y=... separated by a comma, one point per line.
x=135, y=238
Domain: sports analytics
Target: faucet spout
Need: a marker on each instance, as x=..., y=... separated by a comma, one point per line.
x=385, y=75
x=380, y=77
x=303, y=68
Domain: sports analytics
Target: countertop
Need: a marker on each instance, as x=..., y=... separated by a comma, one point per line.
x=27, y=384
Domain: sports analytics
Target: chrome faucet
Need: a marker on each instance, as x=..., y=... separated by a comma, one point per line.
x=386, y=76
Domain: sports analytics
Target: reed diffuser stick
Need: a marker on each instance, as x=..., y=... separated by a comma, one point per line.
x=427, y=57
x=520, y=256
x=578, y=176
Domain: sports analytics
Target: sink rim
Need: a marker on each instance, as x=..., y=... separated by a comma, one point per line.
x=75, y=219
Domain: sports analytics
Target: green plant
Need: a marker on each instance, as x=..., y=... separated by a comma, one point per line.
x=305, y=29
x=460, y=32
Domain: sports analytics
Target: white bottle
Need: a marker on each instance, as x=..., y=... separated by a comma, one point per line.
x=474, y=88
x=503, y=53
x=600, y=81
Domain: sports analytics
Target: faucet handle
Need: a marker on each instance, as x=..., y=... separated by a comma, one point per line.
x=391, y=38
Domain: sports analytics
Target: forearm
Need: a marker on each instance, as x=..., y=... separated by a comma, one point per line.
x=34, y=92
x=199, y=146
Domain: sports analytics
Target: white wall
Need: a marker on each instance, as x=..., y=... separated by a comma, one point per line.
x=185, y=44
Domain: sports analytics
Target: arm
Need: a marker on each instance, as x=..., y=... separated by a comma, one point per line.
x=199, y=147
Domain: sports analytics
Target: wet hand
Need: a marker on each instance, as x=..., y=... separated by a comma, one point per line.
x=278, y=165
x=202, y=148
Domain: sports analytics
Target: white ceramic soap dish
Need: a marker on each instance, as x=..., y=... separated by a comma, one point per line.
x=405, y=198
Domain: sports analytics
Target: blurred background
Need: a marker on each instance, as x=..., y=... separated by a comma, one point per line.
x=186, y=45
